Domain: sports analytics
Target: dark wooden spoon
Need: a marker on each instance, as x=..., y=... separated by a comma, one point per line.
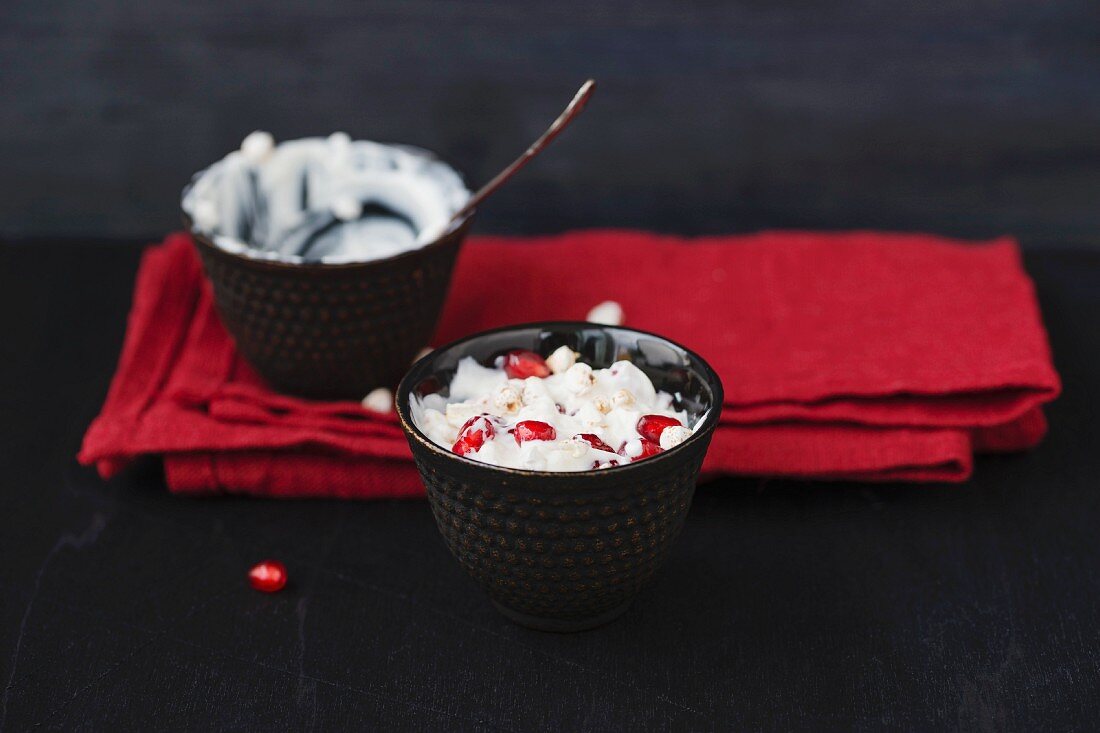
x=564, y=119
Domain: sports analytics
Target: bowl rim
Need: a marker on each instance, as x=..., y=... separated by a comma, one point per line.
x=703, y=431
x=456, y=230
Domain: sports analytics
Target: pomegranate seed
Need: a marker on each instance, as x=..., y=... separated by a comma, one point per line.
x=482, y=424
x=649, y=448
x=608, y=464
x=473, y=434
x=520, y=364
x=533, y=430
x=268, y=576
x=463, y=446
x=595, y=442
x=650, y=427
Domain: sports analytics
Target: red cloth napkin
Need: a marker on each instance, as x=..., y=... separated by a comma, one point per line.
x=858, y=355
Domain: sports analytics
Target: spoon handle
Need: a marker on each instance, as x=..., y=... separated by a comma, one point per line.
x=580, y=99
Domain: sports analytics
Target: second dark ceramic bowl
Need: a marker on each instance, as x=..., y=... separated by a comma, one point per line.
x=332, y=330
x=564, y=551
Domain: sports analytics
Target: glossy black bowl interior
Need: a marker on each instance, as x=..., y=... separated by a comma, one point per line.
x=564, y=551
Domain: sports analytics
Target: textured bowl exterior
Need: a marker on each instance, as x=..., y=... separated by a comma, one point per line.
x=332, y=331
x=558, y=551
x=564, y=549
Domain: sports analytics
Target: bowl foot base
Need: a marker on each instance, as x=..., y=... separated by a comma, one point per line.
x=562, y=626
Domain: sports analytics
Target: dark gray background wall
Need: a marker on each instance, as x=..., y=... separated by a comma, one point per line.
x=969, y=118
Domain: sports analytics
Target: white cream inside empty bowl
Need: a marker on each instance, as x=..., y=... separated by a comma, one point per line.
x=325, y=200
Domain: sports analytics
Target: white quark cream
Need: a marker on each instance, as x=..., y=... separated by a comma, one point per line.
x=549, y=410
x=331, y=200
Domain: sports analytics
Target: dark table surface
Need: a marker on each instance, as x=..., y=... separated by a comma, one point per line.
x=784, y=606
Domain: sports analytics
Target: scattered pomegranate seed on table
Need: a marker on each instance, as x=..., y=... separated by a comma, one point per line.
x=520, y=364
x=533, y=430
x=268, y=576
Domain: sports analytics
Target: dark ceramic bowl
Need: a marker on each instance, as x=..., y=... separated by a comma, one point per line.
x=564, y=551
x=331, y=330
